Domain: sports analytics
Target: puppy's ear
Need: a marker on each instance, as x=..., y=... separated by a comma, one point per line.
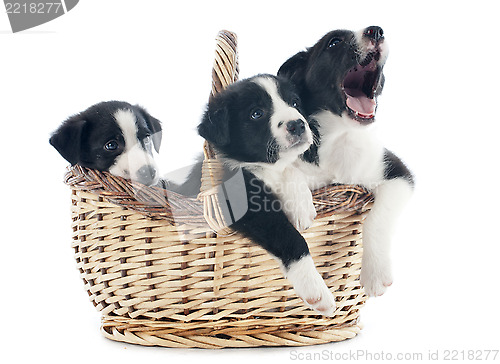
x=295, y=68
x=214, y=126
x=154, y=125
x=67, y=139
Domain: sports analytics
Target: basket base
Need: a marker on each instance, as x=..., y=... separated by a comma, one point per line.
x=151, y=333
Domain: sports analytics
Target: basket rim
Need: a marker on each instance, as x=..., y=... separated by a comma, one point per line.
x=157, y=202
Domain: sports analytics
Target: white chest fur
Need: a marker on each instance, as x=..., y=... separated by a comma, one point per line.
x=348, y=154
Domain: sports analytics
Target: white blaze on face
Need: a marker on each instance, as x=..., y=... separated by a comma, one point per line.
x=134, y=157
x=365, y=46
x=282, y=114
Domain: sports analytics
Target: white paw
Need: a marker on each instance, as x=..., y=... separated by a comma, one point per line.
x=375, y=279
x=297, y=201
x=305, y=218
x=309, y=286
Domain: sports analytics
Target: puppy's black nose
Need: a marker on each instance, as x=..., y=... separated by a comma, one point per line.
x=296, y=127
x=374, y=32
x=146, y=174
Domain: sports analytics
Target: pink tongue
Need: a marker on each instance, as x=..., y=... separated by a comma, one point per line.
x=361, y=104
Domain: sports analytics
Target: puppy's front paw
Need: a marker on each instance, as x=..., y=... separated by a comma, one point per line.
x=375, y=279
x=317, y=296
x=309, y=286
x=305, y=218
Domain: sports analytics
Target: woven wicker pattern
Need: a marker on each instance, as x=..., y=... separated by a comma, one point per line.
x=226, y=66
x=236, y=334
x=177, y=285
x=160, y=276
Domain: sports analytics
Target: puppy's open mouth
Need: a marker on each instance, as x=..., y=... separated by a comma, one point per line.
x=360, y=88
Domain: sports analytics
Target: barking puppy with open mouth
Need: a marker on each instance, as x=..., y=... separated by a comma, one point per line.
x=256, y=126
x=112, y=136
x=339, y=80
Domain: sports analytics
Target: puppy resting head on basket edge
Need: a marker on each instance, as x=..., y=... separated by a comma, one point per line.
x=112, y=136
x=256, y=127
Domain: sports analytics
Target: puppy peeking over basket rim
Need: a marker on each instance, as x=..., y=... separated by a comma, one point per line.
x=238, y=309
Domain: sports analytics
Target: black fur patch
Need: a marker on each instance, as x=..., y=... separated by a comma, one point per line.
x=311, y=155
x=395, y=168
x=267, y=225
x=318, y=72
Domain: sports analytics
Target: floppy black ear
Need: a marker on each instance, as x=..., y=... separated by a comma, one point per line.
x=67, y=139
x=295, y=68
x=214, y=126
x=154, y=125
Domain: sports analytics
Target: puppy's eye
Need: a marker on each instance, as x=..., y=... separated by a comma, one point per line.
x=111, y=145
x=295, y=103
x=257, y=114
x=147, y=139
x=333, y=42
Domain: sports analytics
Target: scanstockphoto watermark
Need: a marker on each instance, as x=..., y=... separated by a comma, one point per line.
x=27, y=14
x=366, y=355
x=353, y=355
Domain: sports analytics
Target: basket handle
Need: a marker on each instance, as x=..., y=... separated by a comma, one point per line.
x=225, y=71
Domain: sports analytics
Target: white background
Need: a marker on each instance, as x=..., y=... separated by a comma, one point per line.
x=439, y=111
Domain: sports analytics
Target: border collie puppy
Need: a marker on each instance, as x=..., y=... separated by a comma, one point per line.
x=112, y=136
x=256, y=127
x=339, y=80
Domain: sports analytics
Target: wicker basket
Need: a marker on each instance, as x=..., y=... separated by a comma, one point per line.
x=154, y=267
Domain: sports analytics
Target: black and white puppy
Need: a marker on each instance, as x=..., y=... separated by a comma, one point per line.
x=256, y=126
x=339, y=80
x=112, y=136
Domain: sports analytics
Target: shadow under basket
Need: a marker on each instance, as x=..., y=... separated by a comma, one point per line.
x=160, y=276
